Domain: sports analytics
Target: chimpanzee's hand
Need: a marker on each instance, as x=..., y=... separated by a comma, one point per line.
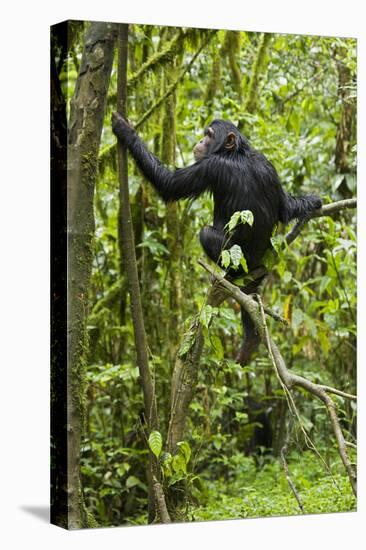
x=121, y=128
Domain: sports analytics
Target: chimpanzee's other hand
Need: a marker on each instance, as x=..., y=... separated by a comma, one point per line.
x=121, y=128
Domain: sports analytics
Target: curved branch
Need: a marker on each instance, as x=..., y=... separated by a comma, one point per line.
x=339, y=392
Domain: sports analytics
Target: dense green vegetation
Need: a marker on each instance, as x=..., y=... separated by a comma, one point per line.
x=294, y=98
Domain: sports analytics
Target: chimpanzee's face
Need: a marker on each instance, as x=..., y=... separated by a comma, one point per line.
x=202, y=148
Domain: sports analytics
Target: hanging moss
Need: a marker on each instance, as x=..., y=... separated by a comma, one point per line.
x=166, y=55
x=215, y=79
x=232, y=50
x=172, y=87
x=258, y=68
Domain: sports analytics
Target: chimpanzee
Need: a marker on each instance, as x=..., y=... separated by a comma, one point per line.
x=259, y=414
x=239, y=178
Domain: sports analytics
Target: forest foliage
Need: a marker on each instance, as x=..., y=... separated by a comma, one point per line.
x=294, y=98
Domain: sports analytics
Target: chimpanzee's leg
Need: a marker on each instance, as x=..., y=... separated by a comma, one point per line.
x=212, y=241
x=251, y=338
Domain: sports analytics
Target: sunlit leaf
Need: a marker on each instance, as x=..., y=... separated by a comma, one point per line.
x=156, y=443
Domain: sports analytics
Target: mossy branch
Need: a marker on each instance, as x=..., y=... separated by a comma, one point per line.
x=250, y=102
x=231, y=48
x=167, y=54
x=171, y=88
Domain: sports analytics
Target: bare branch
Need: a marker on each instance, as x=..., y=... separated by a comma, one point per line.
x=328, y=389
x=283, y=453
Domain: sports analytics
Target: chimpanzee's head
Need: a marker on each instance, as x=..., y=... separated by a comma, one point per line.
x=220, y=137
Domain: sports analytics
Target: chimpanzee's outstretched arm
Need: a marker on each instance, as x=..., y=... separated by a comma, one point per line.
x=182, y=183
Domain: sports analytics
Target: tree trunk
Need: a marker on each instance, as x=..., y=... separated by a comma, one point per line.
x=156, y=504
x=85, y=127
x=173, y=225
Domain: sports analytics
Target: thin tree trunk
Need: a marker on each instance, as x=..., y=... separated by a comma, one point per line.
x=174, y=237
x=156, y=502
x=128, y=244
x=85, y=128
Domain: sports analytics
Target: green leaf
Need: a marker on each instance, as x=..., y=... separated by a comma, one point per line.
x=156, y=443
x=166, y=463
x=351, y=182
x=243, y=216
x=234, y=220
x=217, y=346
x=337, y=182
x=132, y=481
x=185, y=450
x=324, y=342
x=225, y=258
x=295, y=122
x=276, y=242
x=244, y=264
x=206, y=315
x=324, y=283
x=179, y=464
x=236, y=255
x=188, y=341
x=123, y=469
x=247, y=217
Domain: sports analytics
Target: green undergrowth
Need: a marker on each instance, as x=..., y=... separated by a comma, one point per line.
x=265, y=492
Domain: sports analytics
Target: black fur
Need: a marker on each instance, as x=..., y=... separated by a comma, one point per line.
x=239, y=178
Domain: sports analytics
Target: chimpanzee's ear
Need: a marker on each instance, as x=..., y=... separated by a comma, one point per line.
x=230, y=141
